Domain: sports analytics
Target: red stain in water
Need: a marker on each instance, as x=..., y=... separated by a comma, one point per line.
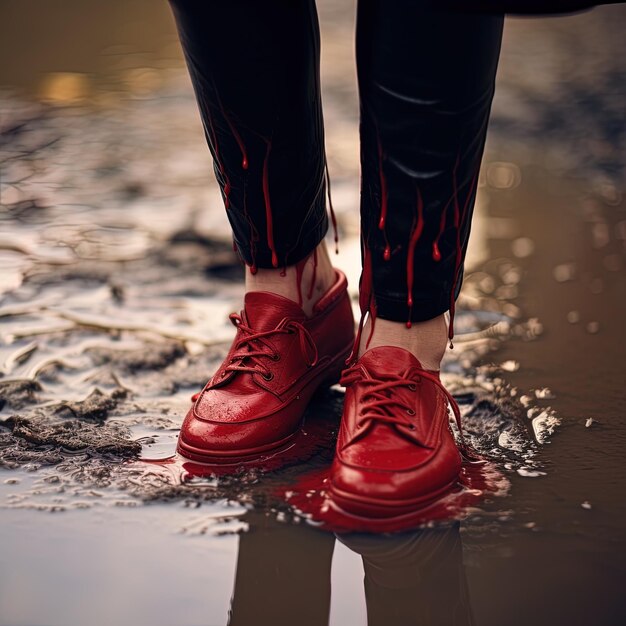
x=311, y=497
x=416, y=233
x=268, y=205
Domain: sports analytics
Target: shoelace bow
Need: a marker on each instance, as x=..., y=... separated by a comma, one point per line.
x=377, y=403
x=251, y=349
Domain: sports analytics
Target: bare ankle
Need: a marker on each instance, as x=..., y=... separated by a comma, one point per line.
x=426, y=340
x=303, y=283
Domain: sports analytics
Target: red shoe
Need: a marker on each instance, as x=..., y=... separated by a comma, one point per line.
x=395, y=450
x=255, y=401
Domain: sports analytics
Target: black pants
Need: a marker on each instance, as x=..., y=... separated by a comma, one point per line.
x=426, y=82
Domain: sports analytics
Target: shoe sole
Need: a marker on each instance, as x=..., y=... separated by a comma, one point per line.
x=256, y=454
x=372, y=509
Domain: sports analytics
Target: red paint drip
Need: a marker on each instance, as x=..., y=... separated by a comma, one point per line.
x=442, y=227
x=383, y=187
x=383, y=199
x=333, y=219
x=242, y=147
x=283, y=272
x=366, y=304
x=226, y=187
x=253, y=269
x=314, y=276
x=416, y=233
x=234, y=131
x=299, y=273
x=457, y=261
x=459, y=219
x=268, y=206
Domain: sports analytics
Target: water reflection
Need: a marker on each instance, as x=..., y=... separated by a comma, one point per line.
x=413, y=578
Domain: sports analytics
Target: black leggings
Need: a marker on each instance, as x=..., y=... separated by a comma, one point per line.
x=426, y=82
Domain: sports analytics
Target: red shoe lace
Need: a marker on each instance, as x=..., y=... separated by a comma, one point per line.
x=378, y=403
x=251, y=348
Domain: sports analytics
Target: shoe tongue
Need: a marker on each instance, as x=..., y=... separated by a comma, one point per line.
x=265, y=310
x=388, y=360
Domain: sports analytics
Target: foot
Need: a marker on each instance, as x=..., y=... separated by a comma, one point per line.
x=426, y=341
x=304, y=283
x=395, y=450
x=280, y=356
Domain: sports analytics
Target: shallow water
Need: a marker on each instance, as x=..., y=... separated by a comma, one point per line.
x=117, y=277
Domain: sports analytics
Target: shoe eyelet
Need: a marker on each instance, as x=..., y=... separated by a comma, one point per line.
x=411, y=426
x=410, y=412
x=413, y=387
x=268, y=376
x=275, y=357
x=223, y=374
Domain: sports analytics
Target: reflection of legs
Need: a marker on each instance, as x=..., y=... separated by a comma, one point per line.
x=283, y=576
x=414, y=579
x=426, y=81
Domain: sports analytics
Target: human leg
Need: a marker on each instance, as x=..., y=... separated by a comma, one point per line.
x=255, y=71
x=426, y=81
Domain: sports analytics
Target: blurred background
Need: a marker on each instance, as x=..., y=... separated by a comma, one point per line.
x=117, y=275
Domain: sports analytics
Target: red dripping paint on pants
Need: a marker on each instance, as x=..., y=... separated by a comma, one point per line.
x=383, y=199
x=457, y=221
x=442, y=227
x=314, y=276
x=333, y=219
x=213, y=137
x=299, y=273
x=367, y=303
x=239, y=140
x=234, y=131
x=410, y=260
x=383, y=188
x=268, y=206
x=459, y=218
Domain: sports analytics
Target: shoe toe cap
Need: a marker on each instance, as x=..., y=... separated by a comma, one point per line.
x=429, y=477
x=226, y=429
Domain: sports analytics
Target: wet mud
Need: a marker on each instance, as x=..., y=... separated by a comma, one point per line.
x=116, y=279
